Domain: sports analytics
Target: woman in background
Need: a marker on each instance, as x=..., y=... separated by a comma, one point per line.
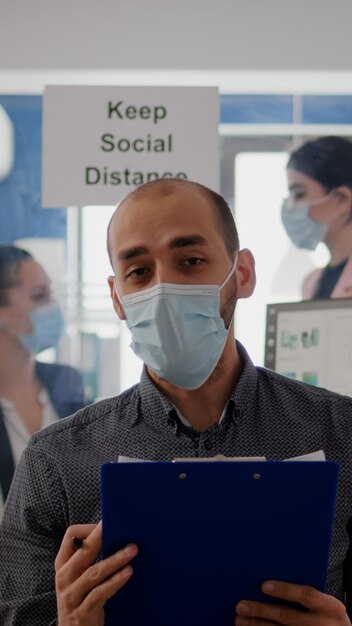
x=319, y=209
x=32, y=394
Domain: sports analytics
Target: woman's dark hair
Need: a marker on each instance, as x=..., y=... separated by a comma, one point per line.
x=11, y=258
x=328, y=160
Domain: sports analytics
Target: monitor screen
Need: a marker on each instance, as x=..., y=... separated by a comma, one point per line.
x=311, y=341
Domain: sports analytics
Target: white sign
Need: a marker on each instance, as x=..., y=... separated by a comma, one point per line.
x=99, y=143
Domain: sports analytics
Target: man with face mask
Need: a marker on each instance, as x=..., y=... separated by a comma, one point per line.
x=178, y=273
x=319, y=209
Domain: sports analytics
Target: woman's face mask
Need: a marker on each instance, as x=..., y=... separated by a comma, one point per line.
x=303, y=231
x=47, y=327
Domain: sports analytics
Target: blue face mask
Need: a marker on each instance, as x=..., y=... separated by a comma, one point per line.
x=177, y=330
x=48, y=324
x=301, y=229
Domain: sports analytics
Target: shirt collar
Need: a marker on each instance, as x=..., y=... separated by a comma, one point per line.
x=154, y=403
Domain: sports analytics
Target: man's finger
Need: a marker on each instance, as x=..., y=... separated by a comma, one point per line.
x=100, y=594
x=247, y=621
x=308, y=597
x=263, y=612
x=97, y=574
x=68, y=548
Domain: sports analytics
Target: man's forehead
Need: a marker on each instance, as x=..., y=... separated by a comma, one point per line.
x=164, y=204
x=167, y=195
x=176, y=212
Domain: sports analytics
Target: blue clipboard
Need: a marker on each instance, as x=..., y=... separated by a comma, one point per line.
x=210, y=533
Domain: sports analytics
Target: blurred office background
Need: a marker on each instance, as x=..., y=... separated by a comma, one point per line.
x=284, y=71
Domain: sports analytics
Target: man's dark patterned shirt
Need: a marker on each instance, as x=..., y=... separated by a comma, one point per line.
x=57, y=482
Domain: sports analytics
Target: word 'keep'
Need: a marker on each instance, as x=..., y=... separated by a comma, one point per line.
x=131, y=112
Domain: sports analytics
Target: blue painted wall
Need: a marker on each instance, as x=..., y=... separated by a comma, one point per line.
x=21, y=214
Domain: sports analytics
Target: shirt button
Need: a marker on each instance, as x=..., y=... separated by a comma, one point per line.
x=207, y=444
x=236, y=416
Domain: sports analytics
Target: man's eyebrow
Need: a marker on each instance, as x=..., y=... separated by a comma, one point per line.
x=187, y=240
x=178, y=242
x=131, y=253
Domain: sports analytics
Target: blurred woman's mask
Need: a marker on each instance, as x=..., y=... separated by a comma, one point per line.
x=301, y=229
x=48, y=325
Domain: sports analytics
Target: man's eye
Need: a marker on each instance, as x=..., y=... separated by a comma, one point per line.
x=193, y=261
x=138, y=271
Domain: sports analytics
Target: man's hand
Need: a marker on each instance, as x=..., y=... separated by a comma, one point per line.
x=83, y=586
x=322, y=610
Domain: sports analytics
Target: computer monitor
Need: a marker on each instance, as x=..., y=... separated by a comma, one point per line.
x=311, y=341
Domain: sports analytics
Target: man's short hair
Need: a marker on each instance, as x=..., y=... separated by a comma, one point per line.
x=165, y=186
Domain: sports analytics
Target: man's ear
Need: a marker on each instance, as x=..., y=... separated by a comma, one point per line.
x=115, y=299
x=245, y=273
